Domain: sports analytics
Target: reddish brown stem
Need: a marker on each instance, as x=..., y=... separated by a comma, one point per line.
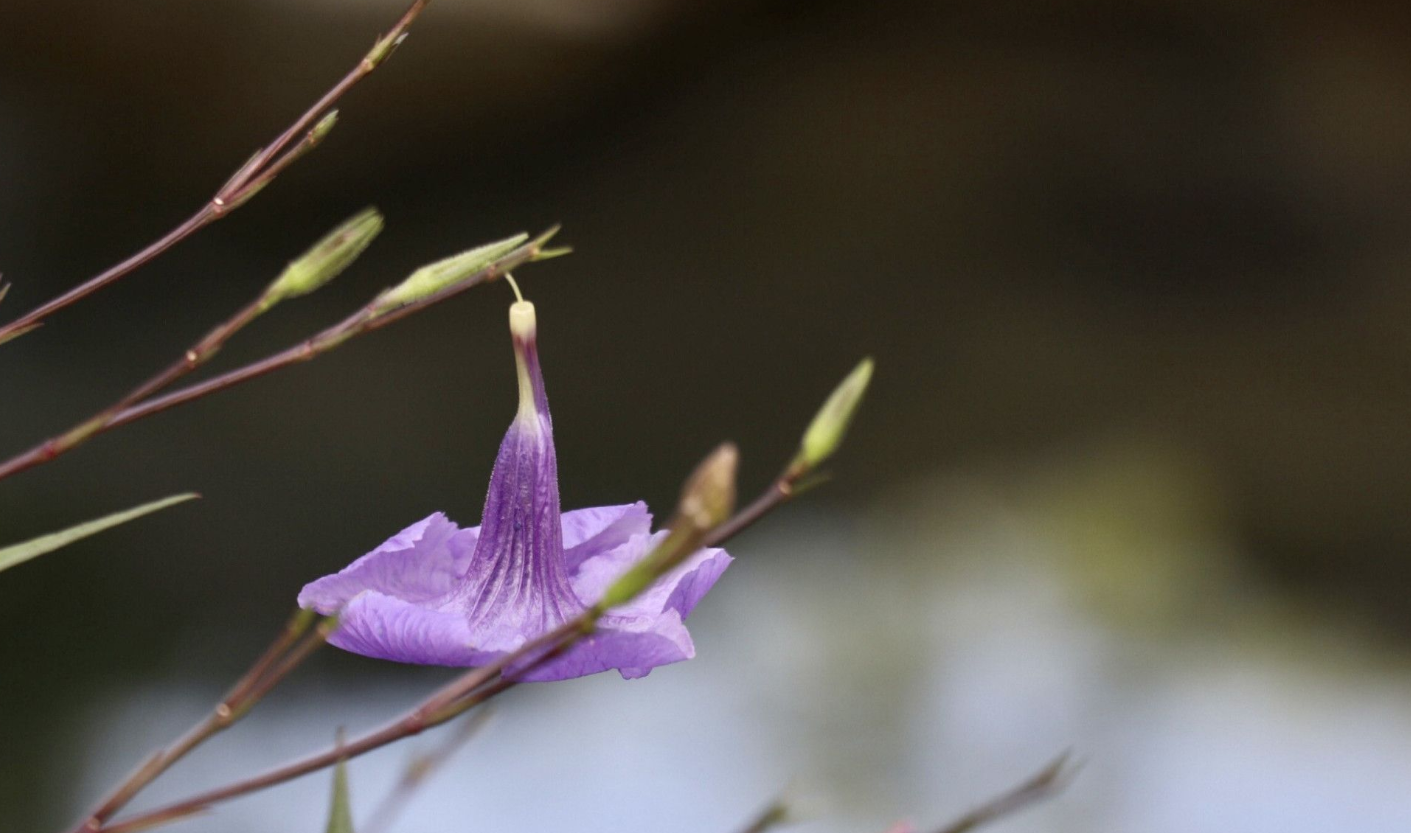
x=137, y=404
x=32, y=318
x=779, y=492
x=409, y=725
x=253, y=686
x=465, y=692
x=1043, y=784
x=101, y=421
x=419, y=770
x=249, y=178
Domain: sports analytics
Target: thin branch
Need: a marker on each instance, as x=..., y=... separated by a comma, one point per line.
x=413, y=723
x=193, y=358
x=136, y=405
x=419, y=770
x=1046, y=783
x=474, y=687
x=775, y=815
x=303, y=134
x=779, y=492
x=242, y=697
x=360, y=323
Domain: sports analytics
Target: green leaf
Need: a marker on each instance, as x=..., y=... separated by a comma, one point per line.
x=20, y=553
x=340, y=811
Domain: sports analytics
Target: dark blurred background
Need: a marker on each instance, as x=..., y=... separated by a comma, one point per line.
x=1133, y=274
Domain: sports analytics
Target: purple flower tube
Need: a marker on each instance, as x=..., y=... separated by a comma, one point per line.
x=437, y=594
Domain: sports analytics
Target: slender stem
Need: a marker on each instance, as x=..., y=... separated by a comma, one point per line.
x=297, y=626
x=1043, y=784
x=237, y=702
x=358, y=324
x=252, y=176
x=464, y=692
x=405, y=727
x=781, y=491
x=140, y=403
x=185, y=229
x=776, y=814
x=193, y=358
x=266, y=683
x=418, y=771
x=364, y=68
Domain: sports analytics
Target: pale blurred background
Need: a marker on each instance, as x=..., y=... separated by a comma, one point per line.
x=1132, y=480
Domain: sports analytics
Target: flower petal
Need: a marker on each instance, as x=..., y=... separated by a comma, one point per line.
x=678, y=590
x=383, y=627
x=588, y=532
x=419, y=564
x=633, y=645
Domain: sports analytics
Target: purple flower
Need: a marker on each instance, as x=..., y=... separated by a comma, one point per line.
x=436, y=594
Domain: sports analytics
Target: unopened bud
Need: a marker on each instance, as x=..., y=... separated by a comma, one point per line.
x=708, y=497
x=707, y=500
x=327, y=258
x=384, y=47
x=828, y=428
x=434, y=277
x=321, y=129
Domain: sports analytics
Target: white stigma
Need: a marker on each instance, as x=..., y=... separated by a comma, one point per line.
x=522, y=322
x=523, y=327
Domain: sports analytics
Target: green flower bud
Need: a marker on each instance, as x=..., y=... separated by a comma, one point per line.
x=641, y=575
x=707, y=500
x=327, y=258
x=382, y=48
x=434, y=277
x=828, y=428
x=708, y=497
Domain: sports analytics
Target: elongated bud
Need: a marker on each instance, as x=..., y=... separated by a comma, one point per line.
x=434, y=277
x=327, y=258
x=830, y=425
x=708, y=497
x=4, y=290
x=385, y=46
x=323, y=127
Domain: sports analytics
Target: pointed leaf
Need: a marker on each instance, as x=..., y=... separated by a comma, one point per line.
x=22, y=552
x=340, y=811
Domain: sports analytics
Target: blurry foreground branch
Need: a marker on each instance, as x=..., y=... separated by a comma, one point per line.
x=703, y=518
x=1044, y=784
x=420, y=769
